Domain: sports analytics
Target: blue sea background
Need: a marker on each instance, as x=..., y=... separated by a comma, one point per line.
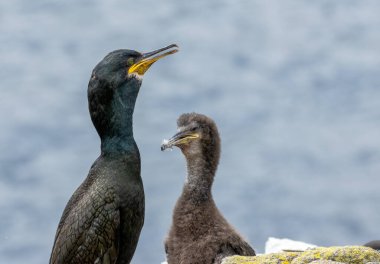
x=294, y=87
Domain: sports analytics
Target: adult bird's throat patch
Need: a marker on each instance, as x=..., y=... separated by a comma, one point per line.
x=147, y=59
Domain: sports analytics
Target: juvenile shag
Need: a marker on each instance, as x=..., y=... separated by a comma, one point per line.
x=103, y=219
x=199, y=233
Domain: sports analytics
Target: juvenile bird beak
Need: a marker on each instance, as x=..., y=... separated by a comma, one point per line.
x=179, y=139
x=147, y=59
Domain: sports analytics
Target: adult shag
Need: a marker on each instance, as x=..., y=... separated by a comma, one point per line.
x=199, y=233
x=103, y=219
x=375, y=244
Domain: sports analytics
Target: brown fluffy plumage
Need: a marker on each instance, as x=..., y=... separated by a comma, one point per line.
x=199, y=233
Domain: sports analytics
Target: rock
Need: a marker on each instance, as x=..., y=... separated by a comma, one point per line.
x=326, y=262
x=347, y=254
x=276, y=245
x=273, y=258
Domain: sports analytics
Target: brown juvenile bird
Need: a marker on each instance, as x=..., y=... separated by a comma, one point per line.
x=199, y=233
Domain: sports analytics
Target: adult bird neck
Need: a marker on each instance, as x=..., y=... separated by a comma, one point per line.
x=118, y=146
x=112, y=115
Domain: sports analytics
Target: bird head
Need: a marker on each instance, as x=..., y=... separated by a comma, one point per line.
x=122, y=65
x=197, y=136
x=114, y=86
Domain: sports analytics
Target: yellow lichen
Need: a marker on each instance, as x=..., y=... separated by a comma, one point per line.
x=348, y=254
x=274, y=258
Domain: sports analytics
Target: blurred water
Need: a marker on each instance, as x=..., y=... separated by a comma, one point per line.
x=293, y=86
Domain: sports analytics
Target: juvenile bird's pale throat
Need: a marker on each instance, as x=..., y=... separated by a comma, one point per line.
x=141, y=66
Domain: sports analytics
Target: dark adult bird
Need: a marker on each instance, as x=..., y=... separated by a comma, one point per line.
x=199, y=233
x=103, y=219
x=375, y=244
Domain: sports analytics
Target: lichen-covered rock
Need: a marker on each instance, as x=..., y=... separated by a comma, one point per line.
x=347, y=254
x=326, y=262
x=273, y=258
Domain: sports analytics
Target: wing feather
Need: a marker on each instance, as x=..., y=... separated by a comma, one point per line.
x=89, y=229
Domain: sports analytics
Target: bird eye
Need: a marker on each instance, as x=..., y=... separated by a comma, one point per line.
x=130, y=62
x=193, y=129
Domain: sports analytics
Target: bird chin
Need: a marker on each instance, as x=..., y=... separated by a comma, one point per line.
x=135, y=75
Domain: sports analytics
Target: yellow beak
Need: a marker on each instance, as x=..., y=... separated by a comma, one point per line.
x=179, y=139
x=147, y=59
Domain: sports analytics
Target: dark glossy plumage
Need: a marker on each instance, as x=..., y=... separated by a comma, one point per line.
x=103, y=219
x=199, y=233
x=375, y=244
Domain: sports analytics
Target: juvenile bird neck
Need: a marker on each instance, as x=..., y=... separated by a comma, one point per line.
x=201, y=170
